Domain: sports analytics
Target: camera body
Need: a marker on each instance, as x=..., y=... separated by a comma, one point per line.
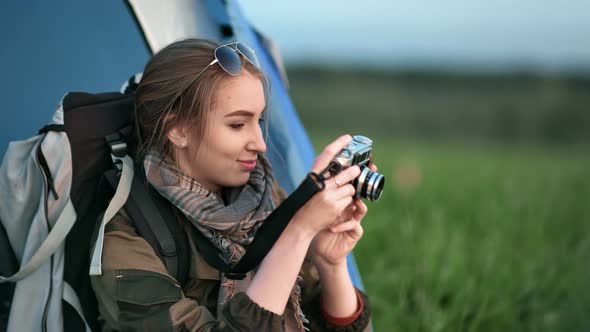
x=359, y=151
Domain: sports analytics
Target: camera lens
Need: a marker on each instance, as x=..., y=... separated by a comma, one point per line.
x=369, y=184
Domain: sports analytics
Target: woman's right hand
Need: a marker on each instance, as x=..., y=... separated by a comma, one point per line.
x=326, y=207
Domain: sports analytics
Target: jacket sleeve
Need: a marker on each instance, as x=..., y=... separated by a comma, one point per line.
x=311, y=306
x=135, y=293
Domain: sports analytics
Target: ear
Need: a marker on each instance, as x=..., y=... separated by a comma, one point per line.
x=178, y=136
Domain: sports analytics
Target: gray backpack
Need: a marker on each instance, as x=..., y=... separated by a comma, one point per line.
x=53, y=189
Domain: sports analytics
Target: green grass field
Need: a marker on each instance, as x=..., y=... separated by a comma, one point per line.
x=478, y=238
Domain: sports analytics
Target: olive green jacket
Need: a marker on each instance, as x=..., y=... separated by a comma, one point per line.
x=136, y=293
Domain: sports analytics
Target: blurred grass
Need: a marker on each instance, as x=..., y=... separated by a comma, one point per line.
x=484, y=223
x=518, y=107
x=477, y=238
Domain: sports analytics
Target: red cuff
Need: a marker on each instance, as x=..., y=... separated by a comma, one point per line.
x=344, y=321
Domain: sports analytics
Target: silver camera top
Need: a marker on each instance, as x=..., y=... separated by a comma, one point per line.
x=357, y=152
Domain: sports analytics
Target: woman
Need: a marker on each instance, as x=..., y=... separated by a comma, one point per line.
x=199, y=107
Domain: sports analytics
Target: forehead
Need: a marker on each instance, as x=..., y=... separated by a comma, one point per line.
x=242, y=92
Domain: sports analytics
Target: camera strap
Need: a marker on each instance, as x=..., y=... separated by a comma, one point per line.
x=267, y=234
x=332, y=168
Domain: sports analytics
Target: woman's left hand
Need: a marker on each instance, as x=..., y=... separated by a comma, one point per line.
x=330, y=247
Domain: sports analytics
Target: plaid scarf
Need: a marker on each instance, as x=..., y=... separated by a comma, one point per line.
x=229, y=225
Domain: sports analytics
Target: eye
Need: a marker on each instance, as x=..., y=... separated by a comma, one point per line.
x=236, y=125
x=261, y=120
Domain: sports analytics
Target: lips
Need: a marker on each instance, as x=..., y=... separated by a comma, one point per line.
x=248, y=164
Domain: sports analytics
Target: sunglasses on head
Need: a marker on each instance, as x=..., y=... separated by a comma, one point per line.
x=228, y=57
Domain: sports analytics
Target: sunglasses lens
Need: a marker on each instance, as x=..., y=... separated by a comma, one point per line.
x=228, y=59
x=248, y=53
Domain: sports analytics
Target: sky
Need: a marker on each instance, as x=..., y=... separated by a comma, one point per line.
x=498, y=34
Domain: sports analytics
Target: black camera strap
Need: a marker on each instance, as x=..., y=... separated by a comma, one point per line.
x=267, y=234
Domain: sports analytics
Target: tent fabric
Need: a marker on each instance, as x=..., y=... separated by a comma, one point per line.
x=103, y=43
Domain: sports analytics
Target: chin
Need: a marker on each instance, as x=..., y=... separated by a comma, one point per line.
x=238, y=182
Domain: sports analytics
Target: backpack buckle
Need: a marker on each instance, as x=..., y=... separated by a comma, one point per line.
x=118, y=148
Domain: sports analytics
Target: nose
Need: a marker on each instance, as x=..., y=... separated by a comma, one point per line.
x=257, y=143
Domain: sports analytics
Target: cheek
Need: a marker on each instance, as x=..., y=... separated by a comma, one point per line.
x=219, y=153
x=230, y=141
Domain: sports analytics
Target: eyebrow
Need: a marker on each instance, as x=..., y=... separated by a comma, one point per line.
x=241, y=113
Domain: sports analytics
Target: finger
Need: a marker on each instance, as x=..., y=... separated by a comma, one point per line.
x=348, y=212
x=334, y=182
x=343, y=191
x=357, y=232
x=373, y=167
x=347, y=175
x=344, y=177
x=352, y=228
x=343, y=203
x=344, y=227
x=330, y=151
x=361, y=209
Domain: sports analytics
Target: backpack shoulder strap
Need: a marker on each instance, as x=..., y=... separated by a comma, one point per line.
x=178, y=233
x=155, y=221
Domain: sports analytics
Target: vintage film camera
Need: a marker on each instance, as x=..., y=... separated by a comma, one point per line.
x=359, y=152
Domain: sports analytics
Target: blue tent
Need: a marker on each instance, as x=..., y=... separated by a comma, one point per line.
x=51, y=48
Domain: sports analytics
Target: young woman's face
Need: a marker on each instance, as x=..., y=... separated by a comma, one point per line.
x=233, y=137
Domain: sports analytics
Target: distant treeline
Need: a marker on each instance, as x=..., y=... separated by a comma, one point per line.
x=437, y=105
